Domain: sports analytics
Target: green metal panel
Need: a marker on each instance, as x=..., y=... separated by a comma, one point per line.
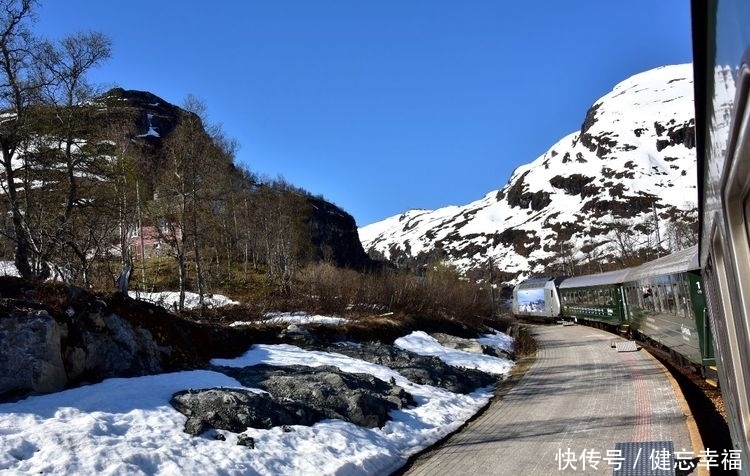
x=702, y=323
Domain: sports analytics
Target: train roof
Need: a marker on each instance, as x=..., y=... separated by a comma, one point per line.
x=601, y=279
x=536, y=282
x=677, y=262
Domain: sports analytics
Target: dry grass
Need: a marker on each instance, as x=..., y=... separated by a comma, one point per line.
x=440, y=295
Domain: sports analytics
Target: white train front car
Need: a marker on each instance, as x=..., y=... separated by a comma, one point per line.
x=537, y=298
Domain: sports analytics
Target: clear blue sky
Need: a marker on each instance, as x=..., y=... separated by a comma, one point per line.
x=382, y=106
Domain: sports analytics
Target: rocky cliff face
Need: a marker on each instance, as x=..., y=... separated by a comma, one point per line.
x=333, y=234
x=598, y=195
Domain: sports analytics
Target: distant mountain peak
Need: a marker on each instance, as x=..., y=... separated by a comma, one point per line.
x=631, y=165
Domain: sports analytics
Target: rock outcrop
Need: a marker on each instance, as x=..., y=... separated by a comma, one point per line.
x=296, y=395
x=30, y=358
x=54, y=336
x=417, y=368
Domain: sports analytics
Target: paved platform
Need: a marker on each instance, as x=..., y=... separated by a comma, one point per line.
x=580, y=402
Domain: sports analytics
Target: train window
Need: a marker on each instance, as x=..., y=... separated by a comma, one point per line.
x=633, y=297
x=648, y=298
x=683, y=298
x=671, y=298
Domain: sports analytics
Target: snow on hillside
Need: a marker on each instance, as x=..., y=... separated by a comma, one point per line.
x=634, y=153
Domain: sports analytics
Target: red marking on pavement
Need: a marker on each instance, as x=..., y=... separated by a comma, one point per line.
x=642, y=420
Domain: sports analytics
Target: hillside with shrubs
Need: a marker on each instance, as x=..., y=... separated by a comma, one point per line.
x=123, y=190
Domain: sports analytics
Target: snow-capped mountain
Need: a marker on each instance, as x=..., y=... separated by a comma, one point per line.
x=596, y=195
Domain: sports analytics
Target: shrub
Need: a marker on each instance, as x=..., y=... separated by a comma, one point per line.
x=441, y=294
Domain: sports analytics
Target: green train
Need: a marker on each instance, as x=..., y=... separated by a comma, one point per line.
x=661, y=302
x=721, y=78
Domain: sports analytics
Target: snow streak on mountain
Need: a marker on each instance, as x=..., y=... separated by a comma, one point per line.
x=596, y=195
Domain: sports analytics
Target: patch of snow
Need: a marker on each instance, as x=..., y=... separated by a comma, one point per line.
x=301, y=318
x=169, y=299
x=127, y=426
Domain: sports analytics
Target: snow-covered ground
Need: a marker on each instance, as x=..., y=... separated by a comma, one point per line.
x=128, y=427
x=8, y=268
x=169, y=299
x=301, y=318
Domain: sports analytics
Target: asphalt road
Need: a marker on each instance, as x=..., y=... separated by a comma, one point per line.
x=577, y=402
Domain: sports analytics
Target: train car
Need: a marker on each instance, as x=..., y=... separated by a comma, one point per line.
x=666, y=305
x=721, y=62
x=595, y=299
x=537, y=298
x=661, y=301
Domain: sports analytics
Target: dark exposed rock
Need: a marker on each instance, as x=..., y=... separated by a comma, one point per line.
x=659, y=128
x=236, y=410
x=245, y=440
x=518, y=197
x=47, y=350
x=588, y=141
x=313, y=393
x=627, y=207
x=539, y=200
x=417, y=368
x=515, y=195
x=662, y=144
x=30, y=358
x=76, y=337
x=601, y=144
x=590, y=119
x=334, y=236
x=565, y=230
x=682, y=134
x=572, y=184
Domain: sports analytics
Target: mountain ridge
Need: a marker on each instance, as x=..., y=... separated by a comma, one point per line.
x=596, y=195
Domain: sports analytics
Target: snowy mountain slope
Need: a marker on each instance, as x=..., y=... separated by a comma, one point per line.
x=597, y=193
